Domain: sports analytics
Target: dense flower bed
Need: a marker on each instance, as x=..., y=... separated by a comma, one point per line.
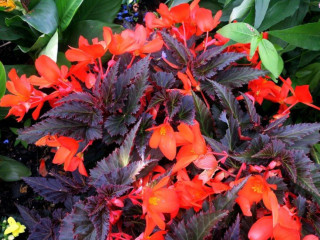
x=185, y=154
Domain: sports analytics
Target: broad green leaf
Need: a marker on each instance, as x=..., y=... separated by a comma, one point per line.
x=278, y=12
x=38, y=45
x=241, y=10
x=102, y=10
x=305, y=36
x=66, y=11
x=261, y=7
x=7, y=33
x=89, y=29
x=51, y=50
x=177, y=2
x=239, y=32
x=43, y=17
x=3, y=80
x=309, y=75
x=254, y=44
x=12, y=170
x=270, y=57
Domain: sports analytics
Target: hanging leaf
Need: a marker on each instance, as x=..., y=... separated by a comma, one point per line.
x=270, y=57
x=239, y=32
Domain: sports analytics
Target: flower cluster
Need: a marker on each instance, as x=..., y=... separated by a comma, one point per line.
x=181, y=151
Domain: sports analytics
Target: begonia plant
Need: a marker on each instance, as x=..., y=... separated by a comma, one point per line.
x=164, y=140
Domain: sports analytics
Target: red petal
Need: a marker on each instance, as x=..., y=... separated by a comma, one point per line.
x=283, y=233
x=47, y=68
x=20, y=84
x=180, y=13
x=303, y=94
x=261, y=229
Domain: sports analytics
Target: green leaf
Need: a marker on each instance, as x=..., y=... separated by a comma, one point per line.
x=254, y=44
x=198, y=226
x=43, y=17
x=3, y=80
x=306, y=36
x=3, y=112
x=102, y=10
x=51, y=50
x=12, y=170
x=89, y=29
x=261, y=7
x=309, y=75
x=270, y=57
x=278, y=12
x=239, y=32
x=66, y=11
x=37, y=45
x=241, y=10
x=203, y=116
x=177, y=2
x=6, y=32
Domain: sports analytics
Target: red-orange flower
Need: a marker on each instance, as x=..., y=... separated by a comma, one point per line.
x=194, y=148
x=288, y=227
x=23, y=97
x=156, y=201
x=66, y=152
x=192, y=193
x=255, y=190
x=163, y=137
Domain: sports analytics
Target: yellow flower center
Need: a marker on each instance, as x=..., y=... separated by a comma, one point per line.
x=154, y=200
x=163, y=131
x=257, y=188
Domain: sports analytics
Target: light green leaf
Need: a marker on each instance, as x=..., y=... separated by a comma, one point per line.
x=261, y=7
x=12, y=170
x=254, y=44
x=43, y=17
x=279, y=11
x=3, y=80
x=306, y=36
x=102, y=10
x=51, y=50
x=270, y=57
x=239, y=32
x=67, y=10
x=241, y=10
x=177, y=2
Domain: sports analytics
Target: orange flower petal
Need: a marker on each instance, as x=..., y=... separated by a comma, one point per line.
x=47, y=68
x=261, y=229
